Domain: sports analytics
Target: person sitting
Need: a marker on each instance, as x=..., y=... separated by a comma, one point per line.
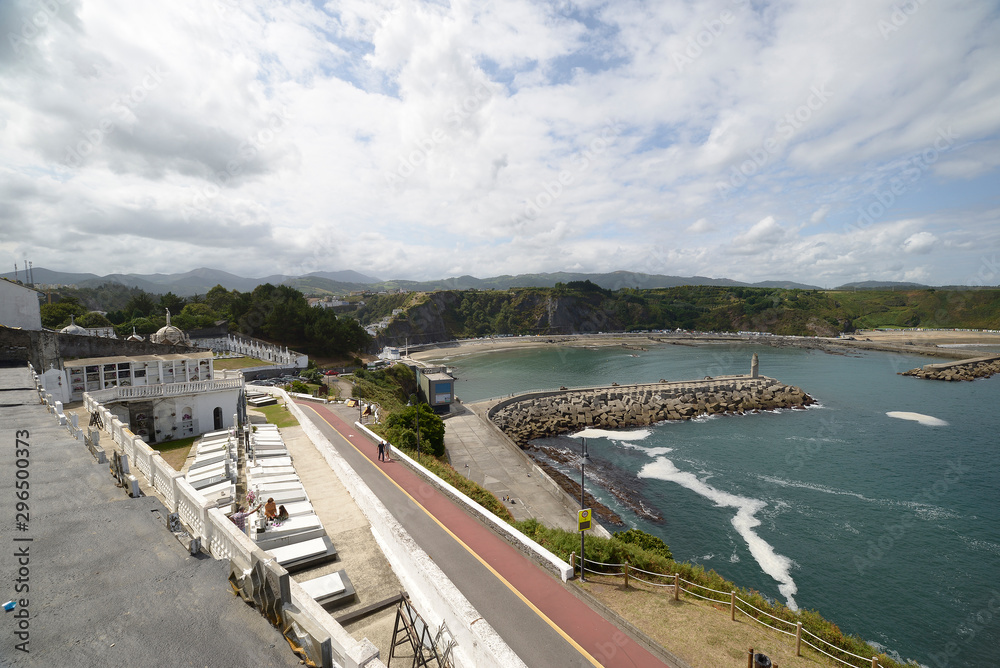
x=270, y=509
x=282, y=514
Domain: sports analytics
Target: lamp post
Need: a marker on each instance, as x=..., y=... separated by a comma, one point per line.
x=414, y=401
x=584, y=458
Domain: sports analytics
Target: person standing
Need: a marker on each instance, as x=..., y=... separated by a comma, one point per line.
x=381, y=451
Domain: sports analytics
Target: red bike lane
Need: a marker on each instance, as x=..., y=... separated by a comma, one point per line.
x=599, y=641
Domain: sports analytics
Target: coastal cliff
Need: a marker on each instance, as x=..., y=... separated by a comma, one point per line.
x=537, y=415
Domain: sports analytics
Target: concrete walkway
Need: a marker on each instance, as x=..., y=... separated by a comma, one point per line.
x=483, y=455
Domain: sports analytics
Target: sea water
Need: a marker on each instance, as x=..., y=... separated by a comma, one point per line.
x=879, y=507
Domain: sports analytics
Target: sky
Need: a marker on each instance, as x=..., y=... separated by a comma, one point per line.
x=795, y=140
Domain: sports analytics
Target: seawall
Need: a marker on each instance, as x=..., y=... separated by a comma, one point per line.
x=980, y=367
x=534, y=415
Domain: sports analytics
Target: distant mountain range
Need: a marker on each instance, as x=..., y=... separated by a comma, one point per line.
x=198, y=281
x=203, y=279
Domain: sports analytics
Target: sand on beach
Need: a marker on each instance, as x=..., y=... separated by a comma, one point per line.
x=929, y=337
x=497, y=344
x=893, y=338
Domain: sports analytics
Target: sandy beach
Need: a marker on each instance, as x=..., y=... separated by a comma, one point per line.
x=921, y=342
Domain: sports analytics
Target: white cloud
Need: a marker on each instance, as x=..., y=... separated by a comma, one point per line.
x=480, y=132
x=920, y=243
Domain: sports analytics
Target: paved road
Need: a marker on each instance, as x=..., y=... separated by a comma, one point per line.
x=535, y=613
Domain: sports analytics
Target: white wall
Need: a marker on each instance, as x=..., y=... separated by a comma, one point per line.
x=19, y=306
x=202, y=411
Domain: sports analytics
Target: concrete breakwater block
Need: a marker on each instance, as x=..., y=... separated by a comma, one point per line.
x=954, y=371
x=642, y=405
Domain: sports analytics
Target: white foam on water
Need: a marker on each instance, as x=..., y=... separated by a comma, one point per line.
x=636, y=435
x=652, y=452
x=776, y=565
x=925, y=420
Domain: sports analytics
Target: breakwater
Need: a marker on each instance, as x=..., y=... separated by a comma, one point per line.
x=981, y=367
x=539, y=414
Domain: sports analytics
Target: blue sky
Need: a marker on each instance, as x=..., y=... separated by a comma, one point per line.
x=820, y=143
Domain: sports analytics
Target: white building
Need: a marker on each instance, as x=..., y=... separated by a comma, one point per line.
x=160, y=397
x=19, y=306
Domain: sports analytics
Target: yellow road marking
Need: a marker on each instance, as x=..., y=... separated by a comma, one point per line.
x=555, y=627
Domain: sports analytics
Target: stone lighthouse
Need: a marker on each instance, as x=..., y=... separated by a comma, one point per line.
x=755, y=367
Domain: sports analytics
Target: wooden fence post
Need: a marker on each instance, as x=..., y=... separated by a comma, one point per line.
x=677, y=586
x=626, y=575
x=572, y=562
x=750, y=658
x=798, y=638
x=874, y=662
x=732, y=605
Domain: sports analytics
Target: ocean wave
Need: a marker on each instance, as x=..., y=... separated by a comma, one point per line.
x=923, y=510
x=652, y=452
x=982, y=545
x=776, y=565
x=635, y=435
x=925, y=420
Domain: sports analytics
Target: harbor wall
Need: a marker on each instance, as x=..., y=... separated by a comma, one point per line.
x=981, y=367
x=539, y=414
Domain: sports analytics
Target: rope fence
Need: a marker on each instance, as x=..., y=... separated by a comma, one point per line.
x=735, y=604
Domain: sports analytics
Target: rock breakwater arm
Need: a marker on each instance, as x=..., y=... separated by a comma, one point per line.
x=983, y=367
x=549, y=414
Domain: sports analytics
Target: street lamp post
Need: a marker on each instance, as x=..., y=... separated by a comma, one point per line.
x=415, y=401
x=583, y=463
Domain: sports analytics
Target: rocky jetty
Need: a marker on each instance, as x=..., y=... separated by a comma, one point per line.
x=966, y=370
x=537, y=415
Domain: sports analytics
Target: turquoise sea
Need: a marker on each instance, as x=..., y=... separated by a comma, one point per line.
x=889, y=527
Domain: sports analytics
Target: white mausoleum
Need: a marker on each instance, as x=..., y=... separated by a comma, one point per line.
x=160, y=397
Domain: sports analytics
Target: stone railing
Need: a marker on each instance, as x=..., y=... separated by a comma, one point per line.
x=165, y=389
x=324, y=642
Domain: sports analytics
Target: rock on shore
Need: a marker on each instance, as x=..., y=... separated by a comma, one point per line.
x=641, y=405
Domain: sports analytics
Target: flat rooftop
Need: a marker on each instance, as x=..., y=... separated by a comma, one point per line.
x=167, y=357
x=107, y=583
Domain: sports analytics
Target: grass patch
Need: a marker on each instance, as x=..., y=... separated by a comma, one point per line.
x=237, y=363
x=278, y=415
x=626, y=548
x=175, y=452
x=474, y=491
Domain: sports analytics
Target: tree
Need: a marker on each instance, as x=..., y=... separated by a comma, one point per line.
x=57, y=315
x=139, y=306
x=431, y=428
x=195, y=316
x=172, y=302
x=93, y=319
x=220, y=299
